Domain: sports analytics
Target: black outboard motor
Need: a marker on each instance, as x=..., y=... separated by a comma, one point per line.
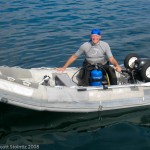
x=142, y=66
x=138, y=68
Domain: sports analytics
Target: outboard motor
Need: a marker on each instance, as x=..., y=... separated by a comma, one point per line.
x=138, y=68
x=96, y=77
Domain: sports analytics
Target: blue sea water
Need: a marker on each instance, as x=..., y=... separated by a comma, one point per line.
x=44, y=33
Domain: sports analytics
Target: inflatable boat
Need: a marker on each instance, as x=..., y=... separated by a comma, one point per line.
x=46, y=89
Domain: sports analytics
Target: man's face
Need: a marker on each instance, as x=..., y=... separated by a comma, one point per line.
x=95, y=38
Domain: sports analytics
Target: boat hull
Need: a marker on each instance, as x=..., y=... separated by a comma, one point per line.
x=20, y=87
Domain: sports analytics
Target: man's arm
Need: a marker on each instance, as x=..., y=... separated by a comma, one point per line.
x=113, y=61
x=68, y=63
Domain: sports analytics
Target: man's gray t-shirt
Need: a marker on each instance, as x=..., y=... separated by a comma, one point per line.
x=95, y=53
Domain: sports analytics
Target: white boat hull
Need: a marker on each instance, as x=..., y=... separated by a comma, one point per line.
x=21, y=87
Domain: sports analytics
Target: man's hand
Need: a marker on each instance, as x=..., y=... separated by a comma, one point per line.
x=118, y=68
x=61, y=69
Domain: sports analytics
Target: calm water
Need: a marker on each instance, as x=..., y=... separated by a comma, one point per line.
x=45, y=33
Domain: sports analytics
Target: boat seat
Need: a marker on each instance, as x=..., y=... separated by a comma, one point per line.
x=63, y=80
x=18, y=81
x=15, y=72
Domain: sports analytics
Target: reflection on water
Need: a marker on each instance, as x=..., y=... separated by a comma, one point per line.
x=23, y=126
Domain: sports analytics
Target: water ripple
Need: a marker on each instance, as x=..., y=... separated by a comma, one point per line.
x=60, y=27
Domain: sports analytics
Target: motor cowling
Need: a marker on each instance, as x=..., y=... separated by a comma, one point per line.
x=96, y=77
x=142, y=67
x=138, y=68
x=139, y=63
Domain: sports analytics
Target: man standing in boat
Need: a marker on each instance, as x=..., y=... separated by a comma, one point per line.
x=96, y=52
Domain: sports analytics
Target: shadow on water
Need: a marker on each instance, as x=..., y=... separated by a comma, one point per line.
x=19, y=125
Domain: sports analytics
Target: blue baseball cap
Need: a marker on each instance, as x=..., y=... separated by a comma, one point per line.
x=96, y=31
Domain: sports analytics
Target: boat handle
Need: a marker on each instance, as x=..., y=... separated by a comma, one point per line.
x=27, y=83
x=11, y=79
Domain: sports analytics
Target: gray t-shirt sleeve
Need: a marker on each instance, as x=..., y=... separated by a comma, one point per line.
x=79, y=52
x=108, y=50
x=82, y=49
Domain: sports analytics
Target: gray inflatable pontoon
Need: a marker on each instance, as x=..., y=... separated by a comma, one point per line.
x=61, y=92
